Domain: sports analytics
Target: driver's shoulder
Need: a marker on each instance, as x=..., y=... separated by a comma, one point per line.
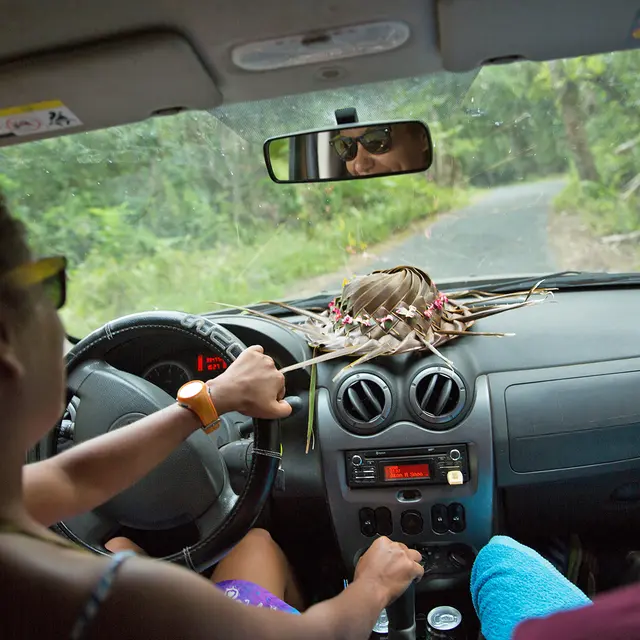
x=51, y=588
x=47, y=585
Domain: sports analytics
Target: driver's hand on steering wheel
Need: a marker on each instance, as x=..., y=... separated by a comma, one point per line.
x=252, y=386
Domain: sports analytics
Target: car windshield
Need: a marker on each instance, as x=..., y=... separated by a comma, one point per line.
x=536, y=170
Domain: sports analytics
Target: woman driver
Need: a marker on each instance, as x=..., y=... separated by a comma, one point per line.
x=54, y=589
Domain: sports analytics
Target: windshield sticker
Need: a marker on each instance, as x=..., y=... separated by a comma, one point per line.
x=37, y=118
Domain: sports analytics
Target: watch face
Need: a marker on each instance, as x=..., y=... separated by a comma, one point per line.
x=191, y=389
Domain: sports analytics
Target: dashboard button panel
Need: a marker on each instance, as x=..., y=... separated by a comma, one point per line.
x=367, y=522
x=439, y=518
x=411, y=523
x=384, y=521
x=457, y=522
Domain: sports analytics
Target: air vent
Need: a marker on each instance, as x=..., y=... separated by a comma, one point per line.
x=364, y=403
x=437, y=395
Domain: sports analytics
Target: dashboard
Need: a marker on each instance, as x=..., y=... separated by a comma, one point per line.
x=183, y=366
x=530, y=434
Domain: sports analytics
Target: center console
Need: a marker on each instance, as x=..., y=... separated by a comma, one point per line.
x=447, y=464
x=431, y=489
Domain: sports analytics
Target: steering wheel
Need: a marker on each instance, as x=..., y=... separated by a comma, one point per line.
x=192, y=484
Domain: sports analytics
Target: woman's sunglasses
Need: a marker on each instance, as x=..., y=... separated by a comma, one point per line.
x=49, y=273
x=375, y=141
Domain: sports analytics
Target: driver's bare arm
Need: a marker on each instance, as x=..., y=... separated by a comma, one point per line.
x=152, y=599
x=93, y=472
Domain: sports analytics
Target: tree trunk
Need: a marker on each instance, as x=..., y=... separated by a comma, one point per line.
x=574, y=119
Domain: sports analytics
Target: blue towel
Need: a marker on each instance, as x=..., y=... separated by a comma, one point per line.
x=511, y=583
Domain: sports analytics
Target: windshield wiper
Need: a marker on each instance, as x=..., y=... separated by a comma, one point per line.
x=316, y=303
x=561, y=280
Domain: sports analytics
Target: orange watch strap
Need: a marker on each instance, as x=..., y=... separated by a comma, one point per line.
x=194, y=395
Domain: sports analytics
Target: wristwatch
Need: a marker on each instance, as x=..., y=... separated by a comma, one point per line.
x=194, y=395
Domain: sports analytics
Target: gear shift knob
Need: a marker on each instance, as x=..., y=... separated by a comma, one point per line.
x=402, y=616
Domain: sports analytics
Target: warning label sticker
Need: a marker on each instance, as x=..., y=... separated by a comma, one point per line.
x=40, y=117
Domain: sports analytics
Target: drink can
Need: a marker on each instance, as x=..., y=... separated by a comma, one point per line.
x=381, y=628
x=445, y=623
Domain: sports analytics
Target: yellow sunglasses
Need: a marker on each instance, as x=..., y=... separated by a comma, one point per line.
x=51, y=273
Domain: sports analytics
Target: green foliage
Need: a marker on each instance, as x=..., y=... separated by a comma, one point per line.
x=601, y=206
x=610, y=88
x=106, y=287
x=179, y=212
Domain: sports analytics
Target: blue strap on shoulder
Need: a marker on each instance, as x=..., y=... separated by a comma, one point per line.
x=98, y=595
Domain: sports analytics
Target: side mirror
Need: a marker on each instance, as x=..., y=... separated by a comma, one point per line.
x=350, y=152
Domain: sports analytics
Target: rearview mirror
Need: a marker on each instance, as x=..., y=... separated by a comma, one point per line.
x=348, y=152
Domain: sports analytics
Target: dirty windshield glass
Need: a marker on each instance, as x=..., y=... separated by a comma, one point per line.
x=536, y=170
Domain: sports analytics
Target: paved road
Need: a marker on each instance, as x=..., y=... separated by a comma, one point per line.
x=504, y=232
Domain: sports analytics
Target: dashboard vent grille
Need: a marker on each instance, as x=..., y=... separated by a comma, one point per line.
x=364, y=403
x=437, y=395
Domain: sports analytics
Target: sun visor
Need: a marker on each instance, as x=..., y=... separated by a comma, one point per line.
x=473, y=33
x=101, y=85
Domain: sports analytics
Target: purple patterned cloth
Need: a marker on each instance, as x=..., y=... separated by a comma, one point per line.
x=253, y=595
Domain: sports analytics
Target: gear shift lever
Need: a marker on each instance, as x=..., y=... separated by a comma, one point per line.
x=402, y=616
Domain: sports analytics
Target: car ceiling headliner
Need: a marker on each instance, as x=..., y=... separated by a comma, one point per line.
x=119, y=61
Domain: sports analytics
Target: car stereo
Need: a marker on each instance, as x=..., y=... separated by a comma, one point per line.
x=447, y=464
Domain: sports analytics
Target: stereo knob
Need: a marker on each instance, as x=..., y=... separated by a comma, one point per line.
x=356, y=461
x=454, y=454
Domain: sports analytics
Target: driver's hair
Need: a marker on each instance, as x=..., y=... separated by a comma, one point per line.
x=13, y=252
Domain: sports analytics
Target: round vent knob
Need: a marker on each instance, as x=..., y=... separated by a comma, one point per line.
x=437, y=396
x=364, y=403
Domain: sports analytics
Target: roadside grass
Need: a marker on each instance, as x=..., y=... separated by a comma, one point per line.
x=105, y=287
x=600, y=206
x=595, y=229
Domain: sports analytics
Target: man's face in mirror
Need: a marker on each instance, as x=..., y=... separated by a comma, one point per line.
x=379, y=150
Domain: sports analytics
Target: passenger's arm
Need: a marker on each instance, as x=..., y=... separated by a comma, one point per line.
x=91, y=473
x=159, y=600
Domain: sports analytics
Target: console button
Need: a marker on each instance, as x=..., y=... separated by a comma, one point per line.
x=439, y=518
x=409, y=495
x=367, y=522
x=458, y=559
x=455, y=454
x=411, y=522
x=457, y=522
x=356, y=460
x=384, y=522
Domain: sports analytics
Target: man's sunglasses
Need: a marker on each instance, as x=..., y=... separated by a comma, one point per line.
x=50, y=273
x=375, y=141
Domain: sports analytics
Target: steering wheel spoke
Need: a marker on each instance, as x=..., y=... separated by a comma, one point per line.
x=218, y=512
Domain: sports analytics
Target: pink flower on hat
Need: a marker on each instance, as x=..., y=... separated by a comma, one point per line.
x=407, y=312
x=365, y=321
